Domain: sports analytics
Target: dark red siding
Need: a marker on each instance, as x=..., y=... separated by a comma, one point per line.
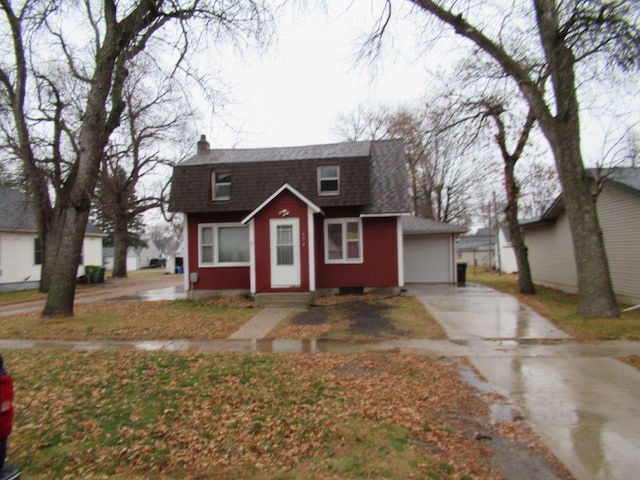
x=380, y=257
x=297, y=209
x=215, y=278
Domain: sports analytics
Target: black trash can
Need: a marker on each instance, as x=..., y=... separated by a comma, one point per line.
x=462, y=272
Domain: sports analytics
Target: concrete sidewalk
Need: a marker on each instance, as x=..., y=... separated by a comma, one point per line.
x=586, y=409
x=261, y=324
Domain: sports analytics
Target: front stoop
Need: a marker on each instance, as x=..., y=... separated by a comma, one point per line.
x=284, y=300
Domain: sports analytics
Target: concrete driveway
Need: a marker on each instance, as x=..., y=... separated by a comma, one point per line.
x=584, y=405
x=153, y=285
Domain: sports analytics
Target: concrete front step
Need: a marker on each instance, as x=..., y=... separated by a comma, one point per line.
x=286, y=300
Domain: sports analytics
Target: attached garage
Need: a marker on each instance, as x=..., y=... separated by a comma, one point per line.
x=429, y=250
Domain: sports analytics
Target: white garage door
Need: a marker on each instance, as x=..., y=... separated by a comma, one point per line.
x=427, y=259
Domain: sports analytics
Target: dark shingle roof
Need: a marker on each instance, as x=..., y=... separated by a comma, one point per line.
x=418, y=225
x=17, y=211
x=372, y=176
x=308, y=152
x=18, y=214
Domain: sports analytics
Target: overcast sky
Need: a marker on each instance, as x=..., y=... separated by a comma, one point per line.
x=293, y=93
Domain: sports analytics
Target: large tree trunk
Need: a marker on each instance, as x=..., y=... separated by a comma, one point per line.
x=120, y=247
x=595, y=291
x=63, y=251
x=596, y=297
x=525, y=282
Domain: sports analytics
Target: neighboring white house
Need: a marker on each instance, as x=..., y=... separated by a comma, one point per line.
x=551, y=253
x=20, y=251
x=137, y=257
x=505, y=255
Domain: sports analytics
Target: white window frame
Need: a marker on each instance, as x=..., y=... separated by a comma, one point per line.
x=343, y=222
x=214, y=183
x=216, y=242
x=321, y=178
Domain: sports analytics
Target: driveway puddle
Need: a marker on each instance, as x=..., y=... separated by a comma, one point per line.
x=156, y=295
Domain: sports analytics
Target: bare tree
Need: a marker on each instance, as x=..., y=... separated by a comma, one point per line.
x=510, y=157
x=443, y=178
x=153, y=118
x=65, y=106
x=566, y=33
x=167, y=235
x=539, y=187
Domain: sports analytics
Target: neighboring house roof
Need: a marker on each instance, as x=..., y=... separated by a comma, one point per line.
x=417, y=225
x=372, y=176
x=17, y=211
x=474, y=243
x=18, y=214
x=625, y=178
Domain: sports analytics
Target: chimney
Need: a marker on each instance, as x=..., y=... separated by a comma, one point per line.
x=203, y=145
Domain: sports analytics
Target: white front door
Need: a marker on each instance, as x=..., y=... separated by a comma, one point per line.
x=285, y=252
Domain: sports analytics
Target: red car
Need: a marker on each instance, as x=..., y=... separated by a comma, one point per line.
x=7, y=471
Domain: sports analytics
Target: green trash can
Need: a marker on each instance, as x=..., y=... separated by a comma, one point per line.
x=93, y=273
x=462, y=271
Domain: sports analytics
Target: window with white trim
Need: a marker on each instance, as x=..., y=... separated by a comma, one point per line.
x=343, y=240
x=221, y=185
x=329, y=180
x=223, y=245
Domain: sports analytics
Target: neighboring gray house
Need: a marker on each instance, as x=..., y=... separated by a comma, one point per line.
x=478, y=250
x=551, y=253
x=20, y=250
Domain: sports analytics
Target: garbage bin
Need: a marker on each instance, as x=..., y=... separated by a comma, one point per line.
x=93, y=273
x=89, y=271
x=462, y=272
x=101, y=274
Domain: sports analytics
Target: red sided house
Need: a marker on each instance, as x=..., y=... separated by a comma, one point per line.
x=321, y=218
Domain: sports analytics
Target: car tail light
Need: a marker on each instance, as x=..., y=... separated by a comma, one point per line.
x=6, y=403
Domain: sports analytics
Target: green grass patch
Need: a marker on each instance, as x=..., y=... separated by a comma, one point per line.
x=8, y=298
x=561, y=308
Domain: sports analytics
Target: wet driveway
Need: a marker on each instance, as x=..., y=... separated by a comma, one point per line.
x=584, y=405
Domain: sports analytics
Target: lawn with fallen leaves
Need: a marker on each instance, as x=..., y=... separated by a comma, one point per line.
x=166, y=320
x=134, y=415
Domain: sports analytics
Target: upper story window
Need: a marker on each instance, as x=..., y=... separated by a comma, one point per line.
x=221, y=185
x=329, y=180
x=343, y=240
